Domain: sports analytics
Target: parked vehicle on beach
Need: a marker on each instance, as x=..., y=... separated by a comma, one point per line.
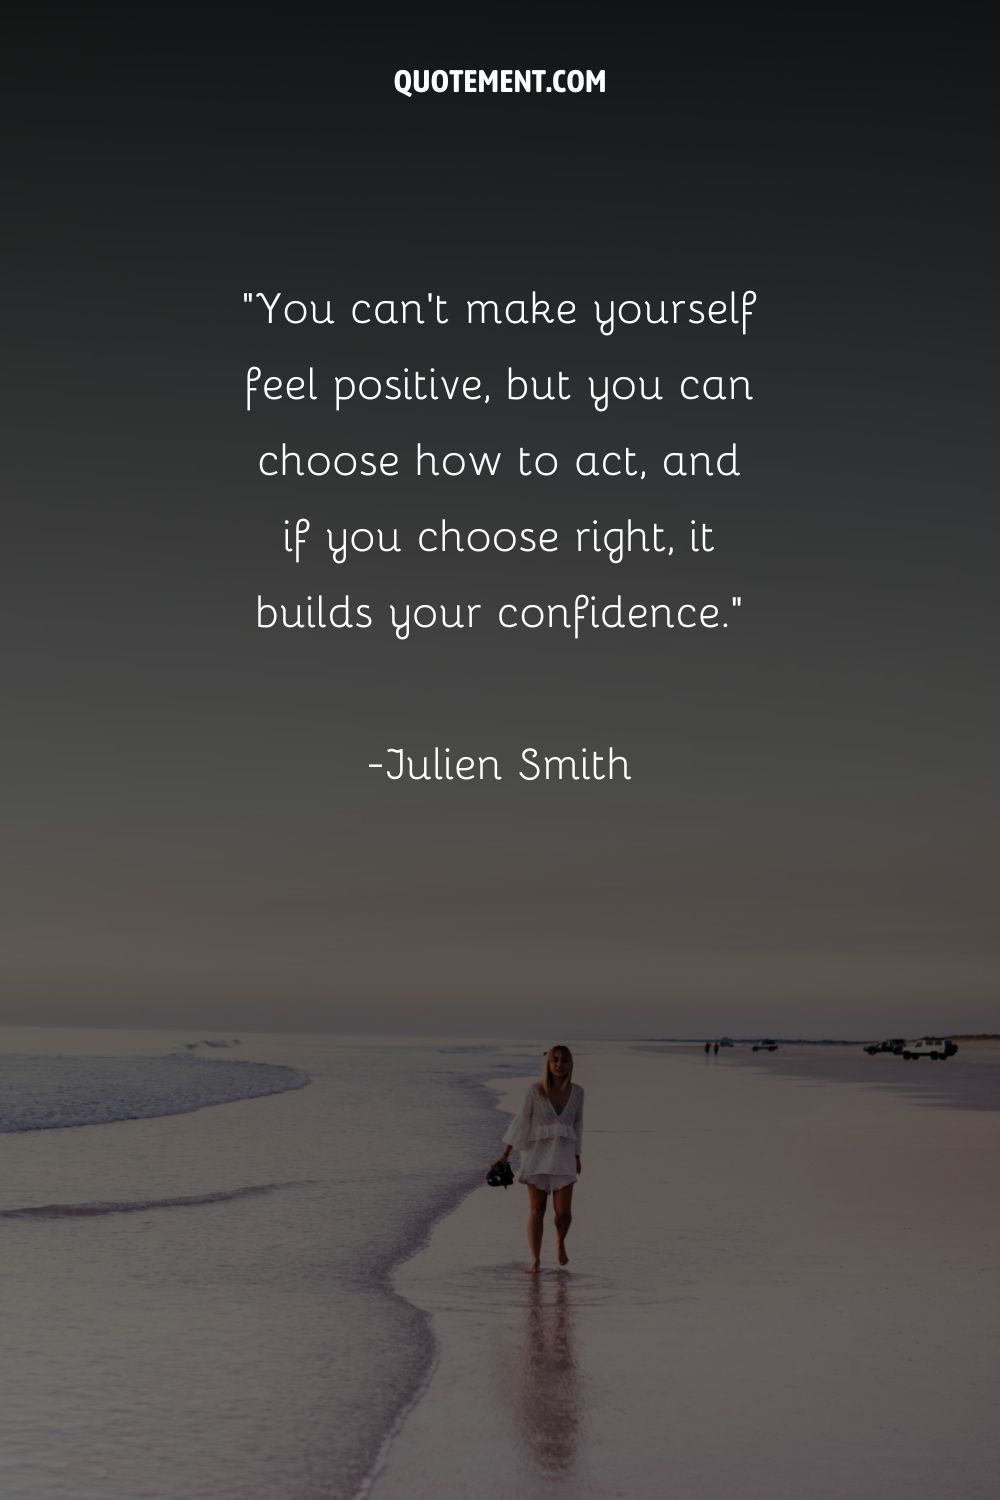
x=937, y=1048
x=765, y=1046
x=894, y=1044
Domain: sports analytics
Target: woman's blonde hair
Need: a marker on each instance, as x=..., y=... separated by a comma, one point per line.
x=547, y=1081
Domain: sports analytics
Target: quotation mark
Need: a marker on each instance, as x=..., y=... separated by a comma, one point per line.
x=248, y=296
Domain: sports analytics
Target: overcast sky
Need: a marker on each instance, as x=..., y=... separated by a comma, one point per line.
x=807, y=841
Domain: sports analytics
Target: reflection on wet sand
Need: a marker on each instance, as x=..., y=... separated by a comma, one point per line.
x=545, y=1389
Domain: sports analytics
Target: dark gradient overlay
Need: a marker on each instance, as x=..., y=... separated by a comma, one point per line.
x=192, y=833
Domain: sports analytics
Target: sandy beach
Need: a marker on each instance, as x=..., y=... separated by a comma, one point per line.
x=779, y=1287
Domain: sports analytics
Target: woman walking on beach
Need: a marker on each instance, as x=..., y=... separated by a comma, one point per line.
x=548, y=1133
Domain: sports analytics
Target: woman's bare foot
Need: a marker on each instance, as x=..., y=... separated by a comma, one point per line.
x=561, y=1255
x=533, y=1269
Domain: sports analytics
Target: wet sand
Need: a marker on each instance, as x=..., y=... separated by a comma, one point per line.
x=779, y=1287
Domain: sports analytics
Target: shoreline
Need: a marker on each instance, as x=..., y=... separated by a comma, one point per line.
x=448, y=1205
x=390, y=1274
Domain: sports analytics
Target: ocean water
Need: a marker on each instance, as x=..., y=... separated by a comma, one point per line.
x=195, y=1254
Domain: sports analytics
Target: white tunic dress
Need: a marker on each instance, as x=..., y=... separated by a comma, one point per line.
x=549, y=1143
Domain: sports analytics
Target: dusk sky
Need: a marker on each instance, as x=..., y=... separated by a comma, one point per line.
x=193, y=837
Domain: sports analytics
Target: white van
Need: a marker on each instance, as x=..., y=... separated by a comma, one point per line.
x=935, y=1047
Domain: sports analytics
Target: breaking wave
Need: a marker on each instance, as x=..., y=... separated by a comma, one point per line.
x=58, y=1093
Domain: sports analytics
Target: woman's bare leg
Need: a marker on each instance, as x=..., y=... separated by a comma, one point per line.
x=562, y=1203
x=536, y=1223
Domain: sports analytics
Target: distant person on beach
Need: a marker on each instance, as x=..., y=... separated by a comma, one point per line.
x=548, y=1134
x=708, y=1047
x=715, y=1049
